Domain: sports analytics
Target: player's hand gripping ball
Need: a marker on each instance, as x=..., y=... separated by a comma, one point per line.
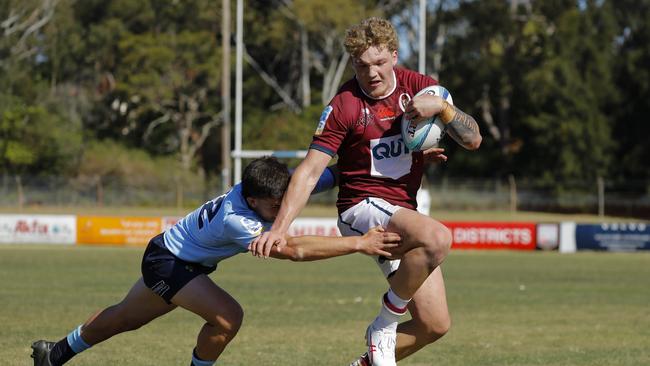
x=420, y=136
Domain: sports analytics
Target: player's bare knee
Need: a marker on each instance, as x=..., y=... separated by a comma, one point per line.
x=435, y=331
x=229, y=320
x=437, y=242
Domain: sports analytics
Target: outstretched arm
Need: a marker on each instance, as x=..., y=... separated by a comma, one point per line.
x=311, y=248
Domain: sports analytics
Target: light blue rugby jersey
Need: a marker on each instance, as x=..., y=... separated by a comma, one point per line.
x=215, y=231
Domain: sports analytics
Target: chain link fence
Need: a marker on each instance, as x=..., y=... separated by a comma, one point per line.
x=629, y=199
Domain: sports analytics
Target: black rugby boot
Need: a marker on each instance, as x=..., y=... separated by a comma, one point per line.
x=41, y=354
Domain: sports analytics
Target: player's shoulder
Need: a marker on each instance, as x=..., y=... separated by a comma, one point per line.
x=413, y=80
x=346, y=104
x=243, y=224
x=347, y=93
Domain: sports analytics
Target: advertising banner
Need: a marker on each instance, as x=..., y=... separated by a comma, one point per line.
x=548, y=236
x=130, y=231
x=618, y=237
x=314, y=226
x=169, y=221
x=38, y=229
x=493, y=235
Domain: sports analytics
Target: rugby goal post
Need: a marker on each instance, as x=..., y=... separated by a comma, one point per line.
x=238, y=155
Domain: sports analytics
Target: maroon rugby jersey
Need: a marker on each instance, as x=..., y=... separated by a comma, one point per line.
x=365, y=133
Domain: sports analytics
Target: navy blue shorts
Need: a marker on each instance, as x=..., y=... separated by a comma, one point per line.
x=164, y=273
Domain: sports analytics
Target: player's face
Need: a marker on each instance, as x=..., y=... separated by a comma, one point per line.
x=374, y=70
x=267, y=208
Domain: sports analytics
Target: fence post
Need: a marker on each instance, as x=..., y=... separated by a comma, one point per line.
x=513, y=193
x=179, y=193
x=601, y=197
x=100, y=190
x=21, y=195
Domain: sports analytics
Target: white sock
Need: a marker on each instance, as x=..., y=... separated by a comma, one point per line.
x=393, y=307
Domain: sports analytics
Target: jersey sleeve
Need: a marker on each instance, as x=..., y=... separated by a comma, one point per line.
x=332, y=128
x=241, y=230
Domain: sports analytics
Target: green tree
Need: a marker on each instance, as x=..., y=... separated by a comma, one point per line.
x=633, y=88
x=36, y=141
x=537, y=77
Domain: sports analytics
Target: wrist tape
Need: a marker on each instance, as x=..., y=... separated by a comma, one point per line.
x=448, y=113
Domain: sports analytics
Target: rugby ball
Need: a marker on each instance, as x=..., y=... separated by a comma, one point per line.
x=419, y=136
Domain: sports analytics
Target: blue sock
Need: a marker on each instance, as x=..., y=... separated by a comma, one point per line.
x=67, y=348
x=75, y=341
x=196, y=361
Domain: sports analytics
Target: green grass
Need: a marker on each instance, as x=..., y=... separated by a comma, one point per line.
x=508, y=308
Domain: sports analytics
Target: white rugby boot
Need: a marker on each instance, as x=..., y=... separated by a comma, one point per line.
x=381, y=344
x=361, y=361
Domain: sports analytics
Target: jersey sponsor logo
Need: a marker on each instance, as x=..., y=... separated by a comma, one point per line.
x=323, y=120
x=390, y=158
x=385, y=113
x=365, y=118
x=254, y=227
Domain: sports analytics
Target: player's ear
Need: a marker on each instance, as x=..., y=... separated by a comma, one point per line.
x=252, y=202
x=394, y=54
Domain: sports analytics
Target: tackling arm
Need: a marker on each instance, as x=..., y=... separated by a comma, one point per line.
x=311, y=248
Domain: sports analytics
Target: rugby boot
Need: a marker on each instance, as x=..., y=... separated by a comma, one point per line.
x=381, y=345
x=361, y=361
x=41, y=354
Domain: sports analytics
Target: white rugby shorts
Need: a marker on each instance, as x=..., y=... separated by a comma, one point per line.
x=360, y=218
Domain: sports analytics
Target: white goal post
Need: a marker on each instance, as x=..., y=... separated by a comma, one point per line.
x=238, y=155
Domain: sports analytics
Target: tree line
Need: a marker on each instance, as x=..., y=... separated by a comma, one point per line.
x=131, y=88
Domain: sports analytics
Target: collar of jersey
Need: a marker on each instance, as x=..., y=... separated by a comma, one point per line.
x=383, y=96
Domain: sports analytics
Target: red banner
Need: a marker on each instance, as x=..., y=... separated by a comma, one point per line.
x=493, y=235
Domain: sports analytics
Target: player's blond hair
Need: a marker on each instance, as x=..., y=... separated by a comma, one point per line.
x=370, y=32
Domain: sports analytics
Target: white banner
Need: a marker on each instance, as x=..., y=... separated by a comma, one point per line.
x=300, y=226
x=314, y=226
x=38, y=229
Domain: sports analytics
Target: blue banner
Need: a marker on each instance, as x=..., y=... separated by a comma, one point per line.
x=618, y=237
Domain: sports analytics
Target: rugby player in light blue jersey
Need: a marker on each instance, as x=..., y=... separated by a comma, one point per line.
x=176, y=264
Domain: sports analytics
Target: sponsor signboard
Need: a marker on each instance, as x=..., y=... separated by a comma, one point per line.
x=493, y=235
x=466, y=235
x=38, y=229
x=548, y=236
x=169, y=221
x=619, y=237
x=131, y=231
x=314, y=226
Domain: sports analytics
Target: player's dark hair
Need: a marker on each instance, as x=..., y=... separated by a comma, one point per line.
x=265, y=177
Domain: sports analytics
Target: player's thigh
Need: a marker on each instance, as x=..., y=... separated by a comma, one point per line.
x=141, y=305
x=204, y=298
x=429, y=305
x=416, y=229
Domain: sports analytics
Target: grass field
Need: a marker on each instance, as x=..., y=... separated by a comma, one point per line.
x=508, y=308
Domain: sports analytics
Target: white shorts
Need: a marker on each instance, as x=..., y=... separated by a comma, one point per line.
x=360, y=218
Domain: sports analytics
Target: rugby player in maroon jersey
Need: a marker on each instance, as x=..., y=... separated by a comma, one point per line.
x=378, y=182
